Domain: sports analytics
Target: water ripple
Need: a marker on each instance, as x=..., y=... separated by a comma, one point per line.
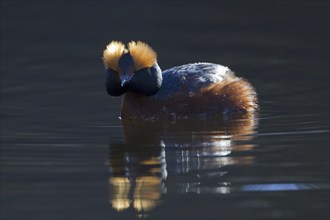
x=285, y=187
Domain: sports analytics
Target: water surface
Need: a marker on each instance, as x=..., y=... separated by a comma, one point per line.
x=66, y=155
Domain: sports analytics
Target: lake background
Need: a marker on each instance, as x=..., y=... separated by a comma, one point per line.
x=66, y=155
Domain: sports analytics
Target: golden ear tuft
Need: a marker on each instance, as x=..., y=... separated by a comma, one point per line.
x=143, y=55
x=112, y=54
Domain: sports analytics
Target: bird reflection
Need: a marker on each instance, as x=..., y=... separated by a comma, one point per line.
x=197, y=151
x=138, y=171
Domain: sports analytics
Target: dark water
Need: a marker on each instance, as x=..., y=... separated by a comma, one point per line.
x=66, y=155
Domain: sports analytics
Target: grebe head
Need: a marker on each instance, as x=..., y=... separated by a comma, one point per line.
x=133, y=68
